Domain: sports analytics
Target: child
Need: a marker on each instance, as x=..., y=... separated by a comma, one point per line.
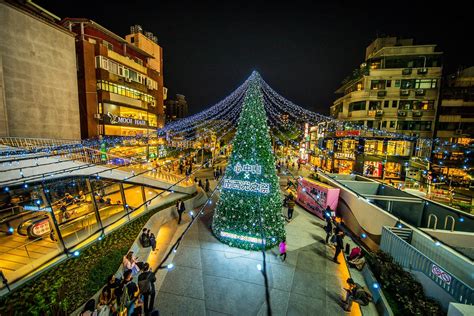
x=283, y=249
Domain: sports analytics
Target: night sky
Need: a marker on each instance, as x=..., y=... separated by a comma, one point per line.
x=302, y=49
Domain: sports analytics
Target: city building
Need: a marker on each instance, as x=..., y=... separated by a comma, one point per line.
x=38, y=79
x=120, y=81
x=453, y=152
x=395, y=89
x=176, y=109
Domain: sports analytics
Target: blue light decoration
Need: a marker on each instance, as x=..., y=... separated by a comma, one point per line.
x=76, y=253
x=461, y=219
x=375, y=285
x=7, y=189
x=25, y=185
x=38, y=202
x=170, y=266
x=400, y=225
x=259, y=267
x=437, y=243
x=11, y=230
x=363, y=235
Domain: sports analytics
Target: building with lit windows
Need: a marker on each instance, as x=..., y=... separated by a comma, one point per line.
x=120, y=81
x=452, y=162
x=176, y=109
x=396, y=88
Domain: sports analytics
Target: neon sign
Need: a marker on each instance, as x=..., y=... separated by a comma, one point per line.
x=248, y=186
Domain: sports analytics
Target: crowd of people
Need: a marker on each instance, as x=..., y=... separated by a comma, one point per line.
x=125, y=296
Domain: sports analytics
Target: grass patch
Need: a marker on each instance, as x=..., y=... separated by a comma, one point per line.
x=63, y=288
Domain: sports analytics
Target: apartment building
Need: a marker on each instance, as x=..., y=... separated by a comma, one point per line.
x=395, y=89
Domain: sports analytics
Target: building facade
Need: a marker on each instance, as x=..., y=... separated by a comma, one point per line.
x=38, y=79
x=176, y=109
x=453, y=153
x=396, y=88
x=120, y=81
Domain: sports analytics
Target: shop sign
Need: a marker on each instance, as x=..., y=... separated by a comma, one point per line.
x=347, y=133
x=344, y=156
x=437, y=271
x=242, y=185
x=120, y=120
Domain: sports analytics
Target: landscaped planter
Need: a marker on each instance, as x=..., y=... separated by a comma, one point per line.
x=62, y=289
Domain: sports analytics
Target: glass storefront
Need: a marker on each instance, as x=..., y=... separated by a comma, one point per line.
x=399, y=148
x=373, y=169
x=343, y=166
x=393, y=170
x=373, y=147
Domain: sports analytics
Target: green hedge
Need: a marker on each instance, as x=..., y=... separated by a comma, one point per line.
x=65, y=287
x=404, y=293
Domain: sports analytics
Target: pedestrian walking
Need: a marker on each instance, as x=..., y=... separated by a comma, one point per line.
x=215, y=174
x=291, y=206
x=180, y=208
x=200, y=184
x=220, y=173
x=328, y=227
x=339, y=245
x=282, y=247
x=207, y=188
x=146, y=284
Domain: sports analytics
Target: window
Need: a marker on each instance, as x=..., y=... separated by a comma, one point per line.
x=359, y=86
x=384, y=124
x=131, y=93
x=392, y=124
x=132, y=39
x=357, y=106
x=414, y=125
x=425, y=83
x=389, y=83
x=370, y=124
x=377, y=84
x=386, y=103
x=406, y=105
x=374, y=147
x=394, y=103
x=398, y=148
x=397, y=83
x=406, y=84
x=424, y=105
x=108, y=45
x=374, y=105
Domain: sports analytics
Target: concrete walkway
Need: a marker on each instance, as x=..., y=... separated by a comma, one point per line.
x=211, y=278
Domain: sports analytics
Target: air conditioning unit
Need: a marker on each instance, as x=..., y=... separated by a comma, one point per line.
x=406, y=71
x=402, y=113
x=405, y=93
x=422, y=71
x=458, y=132
x=420, y=92
x=97, y=116
x=381, y=93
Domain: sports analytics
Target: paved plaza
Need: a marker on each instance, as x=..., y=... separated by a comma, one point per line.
x=211, y=278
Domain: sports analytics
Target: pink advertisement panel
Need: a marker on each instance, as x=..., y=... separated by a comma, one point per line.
x=316, y=196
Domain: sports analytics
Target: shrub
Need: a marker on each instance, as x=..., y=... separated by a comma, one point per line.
x=402, y=288
x=65, y=287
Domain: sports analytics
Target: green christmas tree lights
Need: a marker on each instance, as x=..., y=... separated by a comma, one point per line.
x=249, y=209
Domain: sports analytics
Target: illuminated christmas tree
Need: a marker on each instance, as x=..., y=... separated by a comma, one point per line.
x=248, y=213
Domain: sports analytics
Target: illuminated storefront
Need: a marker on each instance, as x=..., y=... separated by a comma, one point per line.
x=373, y=169
x=399, y=148
x=393, y=170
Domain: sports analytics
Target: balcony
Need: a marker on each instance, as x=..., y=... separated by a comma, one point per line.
x=420, y=92
x=402, y=113
x=381, y=93
x=404, y=93
x=406, y=71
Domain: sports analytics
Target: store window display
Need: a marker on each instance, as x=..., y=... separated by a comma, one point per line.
x=373, y=169
x=393, y=170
